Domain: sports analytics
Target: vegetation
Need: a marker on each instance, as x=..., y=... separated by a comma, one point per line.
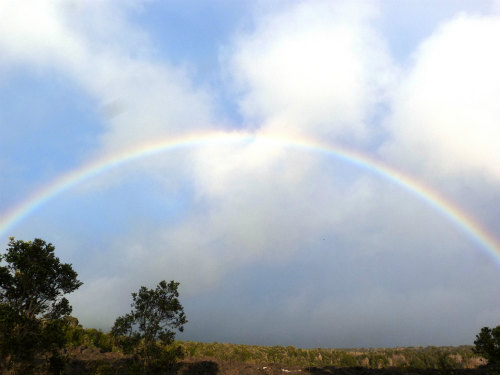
x=38, y=335
x=487, y=344
x=148, y=329
x=431, y=357
x=33, y=283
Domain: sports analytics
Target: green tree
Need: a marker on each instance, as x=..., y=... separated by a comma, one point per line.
x=33, y=283
x=487, y=344
x=155, y=314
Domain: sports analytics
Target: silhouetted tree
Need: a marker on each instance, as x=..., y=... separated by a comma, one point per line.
x=155, y=314
x=487, y=344
x=33, y=283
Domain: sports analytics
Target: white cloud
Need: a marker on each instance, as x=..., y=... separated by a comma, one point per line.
x=155, y=101
x=446, y=112
x=315, y=68
x=94, y=45
x=31, y=33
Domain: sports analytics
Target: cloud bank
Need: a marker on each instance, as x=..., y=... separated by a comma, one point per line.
x=447, y=105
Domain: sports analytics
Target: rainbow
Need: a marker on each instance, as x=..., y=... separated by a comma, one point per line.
x=438, y=202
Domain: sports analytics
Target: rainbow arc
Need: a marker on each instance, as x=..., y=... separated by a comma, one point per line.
x=89, y=170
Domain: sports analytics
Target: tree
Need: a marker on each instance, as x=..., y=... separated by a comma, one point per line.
x=155, y=314
x=33, y=283
x=487, y=344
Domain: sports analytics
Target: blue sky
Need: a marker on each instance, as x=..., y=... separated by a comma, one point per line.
x=271, y=245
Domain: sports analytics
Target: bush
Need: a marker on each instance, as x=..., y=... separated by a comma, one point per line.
x=487, y=344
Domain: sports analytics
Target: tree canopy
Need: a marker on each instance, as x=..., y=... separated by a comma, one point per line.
x=155, y=314
x=487, y=344
x=33, y=283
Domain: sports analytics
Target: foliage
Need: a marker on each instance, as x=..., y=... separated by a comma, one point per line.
x=33, y=283
x=148, y=329
x=76, y=336
x=487, y=344
x=419, y=358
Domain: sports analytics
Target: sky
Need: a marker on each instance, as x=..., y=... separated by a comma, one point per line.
x=313, y=173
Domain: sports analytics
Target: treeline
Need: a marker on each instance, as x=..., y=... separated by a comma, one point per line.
x=435, y=357
x=39, y=335
x=431, y=357
x=411, y=357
